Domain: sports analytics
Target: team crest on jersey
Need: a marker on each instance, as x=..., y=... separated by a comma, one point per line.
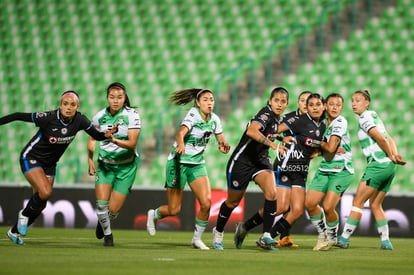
x=284, y=178
x=53, y=140
x=291, y=120
x=33, y=161
x=64, y=131
x=236, y=183
x=318, y=133
x=121, y=120
x=264, y=117
x=38, y=115
x=213, y=126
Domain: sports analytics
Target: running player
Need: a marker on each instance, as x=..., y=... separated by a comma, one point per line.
x=382, y=156
x=333, y=177
x=250, y=161
x=39, y=157
x=117, y=160
x=291, y=171
x=186, y=162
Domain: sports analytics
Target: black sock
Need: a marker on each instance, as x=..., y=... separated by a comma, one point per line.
x=254, y=221
x=34, y=207
x=282, y=227
x=223, y=216
x=269, y=214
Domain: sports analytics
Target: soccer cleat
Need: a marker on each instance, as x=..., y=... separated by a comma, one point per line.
x=15, y=238
x=151, y=222
x=198, y=244
x=217, y=239
x=321, y=244
x=342, y=242
x=108, y=240
x=22, y=223
x=330, y=243
x=267, y=243
x=386, y=245
x=240, y=235
x=287, y=241
x=99, y=231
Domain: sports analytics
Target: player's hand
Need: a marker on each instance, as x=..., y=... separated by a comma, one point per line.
x=224, y=147
x=92, y=169
x=398, y=160
x=180, y=150
x=289, y=140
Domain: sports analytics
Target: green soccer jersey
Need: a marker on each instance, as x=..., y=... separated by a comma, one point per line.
x=339, y=128
x=127, y=118
x=199, y=133
x=368, y=120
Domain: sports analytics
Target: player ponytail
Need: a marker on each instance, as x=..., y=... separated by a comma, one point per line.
x=183, y=97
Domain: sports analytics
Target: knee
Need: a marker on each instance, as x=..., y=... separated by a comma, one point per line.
x=205, y=205
x=375, y=207
x=328, y=208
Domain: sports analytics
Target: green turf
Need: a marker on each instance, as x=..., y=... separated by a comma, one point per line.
x=76, y=251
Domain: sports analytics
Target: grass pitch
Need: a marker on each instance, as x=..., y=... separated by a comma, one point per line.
x=77, y=251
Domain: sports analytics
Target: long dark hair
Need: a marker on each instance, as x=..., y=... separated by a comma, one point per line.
x=119, y=86
x=183, y=97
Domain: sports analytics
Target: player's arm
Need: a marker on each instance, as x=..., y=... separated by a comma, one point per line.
x=330, y=148
x=398, y=158
x=223, y=147
x=253, y=131
x=131, y=142
x=91, y=145
x=382, y=142
x=179, y=137
x=26, y=117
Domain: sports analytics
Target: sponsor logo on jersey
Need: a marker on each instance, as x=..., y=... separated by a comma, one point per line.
x=61, y=140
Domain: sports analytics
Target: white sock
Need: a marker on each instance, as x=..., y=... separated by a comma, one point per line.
x=198, y=231
x=320, y=224
x=103, y=217
x=384, y=232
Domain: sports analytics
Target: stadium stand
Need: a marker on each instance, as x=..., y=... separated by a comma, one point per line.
x=156, y=47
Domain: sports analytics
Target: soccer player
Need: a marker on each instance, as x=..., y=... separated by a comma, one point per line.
x=117, y=160
x=382, y=157
x=38, y=159
x=333, y=177
x=186, y=162
x=250, y=161
x=291, y=169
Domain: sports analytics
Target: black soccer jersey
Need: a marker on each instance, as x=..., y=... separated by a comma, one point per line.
x=250, y=151
x=54, y=136
x=308, y=134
